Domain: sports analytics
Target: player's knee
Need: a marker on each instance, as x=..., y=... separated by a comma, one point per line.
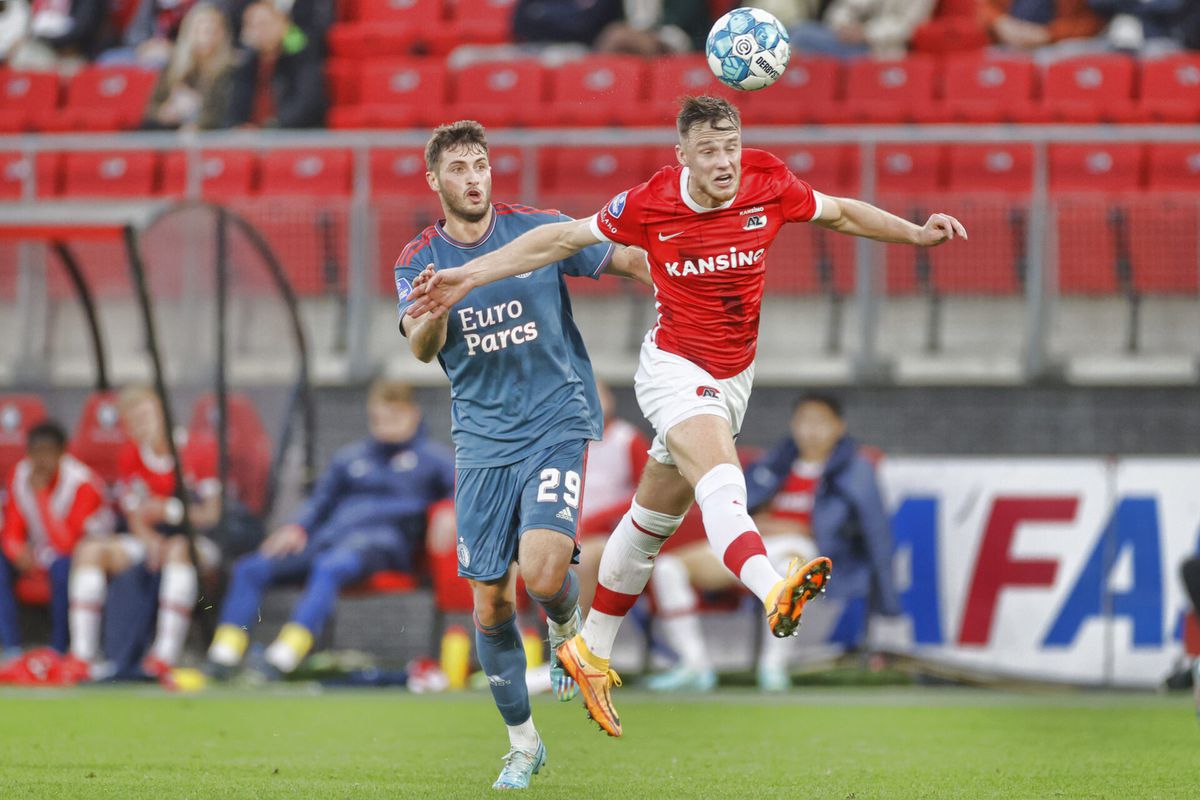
x=543, y=579
x=492, y=605
x=176, y=550
x=253, y=569
x=88, y=554
x=335, y=567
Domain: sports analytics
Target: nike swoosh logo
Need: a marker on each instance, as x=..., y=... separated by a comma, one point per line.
x=662, y=238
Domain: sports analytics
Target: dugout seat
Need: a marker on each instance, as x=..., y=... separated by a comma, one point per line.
x=890, y=91
x=306, y=173
x=249, y=445
x=1170, y=89
x=979, y=89
x=103, y=99
x=223, y=174
x=110, y=174
x=396, y=94
x=505, y=93
x=807, y=93
x=18, y=413
x=1090, y=89
x=595, y=91
x=26, y=99
x=99, y=435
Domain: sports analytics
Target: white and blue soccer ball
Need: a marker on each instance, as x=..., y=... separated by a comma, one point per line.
x=748, y=49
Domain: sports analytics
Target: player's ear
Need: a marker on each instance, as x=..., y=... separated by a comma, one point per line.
x=679, y=155
x=432, y=180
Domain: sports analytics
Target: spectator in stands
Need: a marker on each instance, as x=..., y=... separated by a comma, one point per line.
x=14, y=27
x=658, y=27
x=792, y=12
x=1146, y=27
x=193, y=90
x=64, y=34
x=280, y=82
x=314, y=17
x=614, y=465
x=367, y=514
x=53, y=501
x=851, y=28
x=1190, y=571
x=814, y=492
x=151, y=34
x=564, y=21
x=155, y=535
x=1030, y=24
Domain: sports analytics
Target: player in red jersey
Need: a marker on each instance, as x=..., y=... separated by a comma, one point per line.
x=706, y=224
x=155, y=537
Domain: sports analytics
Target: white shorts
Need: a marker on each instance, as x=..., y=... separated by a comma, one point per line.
x=671, y=389
x=207, y=551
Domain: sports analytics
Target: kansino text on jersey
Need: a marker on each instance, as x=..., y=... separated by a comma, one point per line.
x=732, y=260
x=475, y=319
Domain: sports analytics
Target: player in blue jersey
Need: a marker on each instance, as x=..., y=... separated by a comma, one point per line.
x=523, y=408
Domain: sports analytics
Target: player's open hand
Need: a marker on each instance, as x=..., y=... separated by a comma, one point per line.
x=436, y=292
x=940, y=228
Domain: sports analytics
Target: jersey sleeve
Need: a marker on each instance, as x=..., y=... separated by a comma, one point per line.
x=800, y=203
x=620, y=222
x=589, y=262
x=414, y=258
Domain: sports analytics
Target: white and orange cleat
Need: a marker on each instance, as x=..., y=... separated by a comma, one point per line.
x=595, y=680
x=787, y=599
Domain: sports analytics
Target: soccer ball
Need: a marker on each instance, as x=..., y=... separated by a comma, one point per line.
x=747, y=49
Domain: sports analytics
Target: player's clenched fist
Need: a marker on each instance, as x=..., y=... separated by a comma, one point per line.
x=940, y=228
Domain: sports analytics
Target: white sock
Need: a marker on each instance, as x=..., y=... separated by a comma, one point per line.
x=721, y=495
x=776, y=653
x=677, y=615
x=176, y=597
x=625, y=569
x=524, y=736
x=86, y=590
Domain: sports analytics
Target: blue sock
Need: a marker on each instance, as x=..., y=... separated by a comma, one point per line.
x=561, y=605
x=502, y=655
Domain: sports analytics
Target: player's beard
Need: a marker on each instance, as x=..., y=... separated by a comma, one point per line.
x=459, y=208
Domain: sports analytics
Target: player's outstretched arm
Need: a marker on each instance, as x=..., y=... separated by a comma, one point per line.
x=854, y=217
x=532, y=250
x=426, y=332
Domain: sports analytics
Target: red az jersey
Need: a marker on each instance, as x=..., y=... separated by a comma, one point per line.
x=709, y=265
x=142, y=473
x=794, y=500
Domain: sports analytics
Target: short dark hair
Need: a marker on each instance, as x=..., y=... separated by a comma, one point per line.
x=465, y=131
x=822, y=398
x=706, y=109
x=49, y=431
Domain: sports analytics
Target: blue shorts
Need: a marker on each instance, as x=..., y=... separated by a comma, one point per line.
x=496, y=505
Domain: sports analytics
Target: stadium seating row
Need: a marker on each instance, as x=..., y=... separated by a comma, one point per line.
x=401, y=93
x=574, y=176
x=373, y=28
x=616, y=90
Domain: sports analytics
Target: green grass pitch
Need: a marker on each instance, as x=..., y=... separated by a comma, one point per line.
x=853, y=744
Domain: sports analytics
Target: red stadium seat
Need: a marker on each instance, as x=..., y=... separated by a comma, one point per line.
x=396, y=94
x=224, y=173
x=249, y=445
x=16, y=167
x=112, y=174
x=1174, y=167
x=1164, y=244
x=399, y=172
x=502, y=93
x=18, y=413
x=307, y=173
x=343, y=76
x=1090, y=89
x=807, y=93
x=99, y=435
x=987, y=168
x=392, y=28
x=889, y=91
x=579, y=180
x=954, y=34
x=978, y=89
x=1170, y=89
x=671, y=78
x=26, y=99
x=1095, y=167
x=482, y=21
x=104, y=99
x=908, y=168
x=1087, y=246
x=596, y=90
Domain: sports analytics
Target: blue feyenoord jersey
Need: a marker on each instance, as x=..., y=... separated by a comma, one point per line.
x=520, y=378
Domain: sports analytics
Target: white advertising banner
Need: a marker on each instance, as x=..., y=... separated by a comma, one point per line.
x=1047, y=569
